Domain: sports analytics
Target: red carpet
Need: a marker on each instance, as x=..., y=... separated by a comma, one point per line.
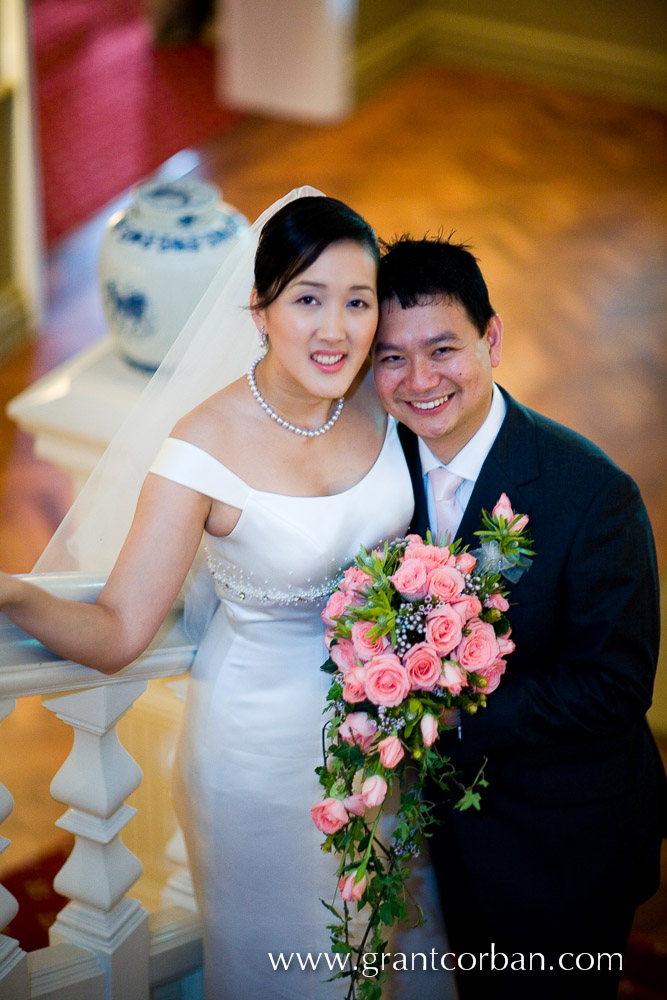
x=111, y=106
x=39, y=903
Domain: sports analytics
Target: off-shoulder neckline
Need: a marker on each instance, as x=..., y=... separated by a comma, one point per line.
x=391, y=423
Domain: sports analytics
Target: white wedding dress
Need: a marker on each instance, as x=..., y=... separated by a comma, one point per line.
x=252, y=733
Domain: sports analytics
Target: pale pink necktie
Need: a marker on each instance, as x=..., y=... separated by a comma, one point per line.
x=448, y=509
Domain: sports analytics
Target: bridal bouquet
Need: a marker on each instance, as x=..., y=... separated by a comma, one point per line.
x=414, y=630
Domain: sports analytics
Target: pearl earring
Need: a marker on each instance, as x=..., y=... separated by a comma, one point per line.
x=263, y=339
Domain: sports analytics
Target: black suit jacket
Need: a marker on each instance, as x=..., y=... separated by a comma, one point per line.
x=576, y=802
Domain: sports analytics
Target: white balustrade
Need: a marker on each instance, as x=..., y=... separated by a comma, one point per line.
x=13, y=961
x=94, y=781
x=179, y=890
x=149, y=733
x=65, y=972
x=102, y=945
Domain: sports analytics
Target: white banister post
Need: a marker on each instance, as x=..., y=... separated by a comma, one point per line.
x=179, y=890
x=94, y=781
x=13, y=960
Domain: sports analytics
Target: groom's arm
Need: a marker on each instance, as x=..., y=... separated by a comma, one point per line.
x=607, y=642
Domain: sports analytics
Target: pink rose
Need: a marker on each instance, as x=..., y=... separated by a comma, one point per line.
x=387, y=681
x=467, y=606
x=453, y=678
x=520, y=524
x=431, y=555
x=364, y=647
x=350, y=890
x=355, y=581
x=497, y=601
x=391, y=751
x=336, y=606
x=479, y=648
x=505, y=644
x=358, y=728
x=445, y=582
x=343, y=655
x=374, y=790
x=354, y=685
x=329, y=815
x=424, y=666
x=492, y=675
x=355, y=804
x=411, y=579
x=466, y=562
x=429, y=729
x=443, y=629
x=504, y=509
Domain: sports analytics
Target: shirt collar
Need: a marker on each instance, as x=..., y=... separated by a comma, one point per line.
x=468, y=462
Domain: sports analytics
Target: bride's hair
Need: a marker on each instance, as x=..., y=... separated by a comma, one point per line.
x=297, y=234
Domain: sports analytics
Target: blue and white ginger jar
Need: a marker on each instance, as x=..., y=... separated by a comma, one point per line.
x=156, y=260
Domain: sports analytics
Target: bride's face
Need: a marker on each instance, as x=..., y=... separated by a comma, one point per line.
x=321, y=326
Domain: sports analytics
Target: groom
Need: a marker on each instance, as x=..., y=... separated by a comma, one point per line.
x=567, y=840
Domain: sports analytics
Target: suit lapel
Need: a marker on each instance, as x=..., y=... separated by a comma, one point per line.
x=410, y=443
x=511, y=463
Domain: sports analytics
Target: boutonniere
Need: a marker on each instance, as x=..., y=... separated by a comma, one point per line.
x=505, y=547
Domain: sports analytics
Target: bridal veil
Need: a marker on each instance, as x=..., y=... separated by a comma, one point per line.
x=215, y=347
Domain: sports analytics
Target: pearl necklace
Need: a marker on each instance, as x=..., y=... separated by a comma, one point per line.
x=285, y=423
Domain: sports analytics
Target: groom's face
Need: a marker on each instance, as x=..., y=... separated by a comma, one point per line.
x=434, y=372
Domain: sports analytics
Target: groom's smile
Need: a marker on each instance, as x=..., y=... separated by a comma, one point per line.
x=434, y=372
x=431, y=404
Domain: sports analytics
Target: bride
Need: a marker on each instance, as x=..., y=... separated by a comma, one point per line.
x=286, y=471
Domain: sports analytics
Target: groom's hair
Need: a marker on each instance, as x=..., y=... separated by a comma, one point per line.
x=416, y=272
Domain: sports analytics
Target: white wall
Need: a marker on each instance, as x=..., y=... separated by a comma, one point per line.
x=291, y=58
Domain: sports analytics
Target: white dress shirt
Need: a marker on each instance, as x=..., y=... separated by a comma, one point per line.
x=468, y=462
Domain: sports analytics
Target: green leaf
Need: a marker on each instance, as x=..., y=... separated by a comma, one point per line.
x=469, y=800
x=364, y=842
x=332, y=910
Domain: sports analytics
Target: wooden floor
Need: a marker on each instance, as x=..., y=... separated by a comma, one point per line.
x=563, y=197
